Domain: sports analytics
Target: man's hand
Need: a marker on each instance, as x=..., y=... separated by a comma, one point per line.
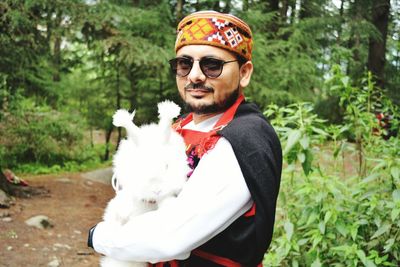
x=90, y=237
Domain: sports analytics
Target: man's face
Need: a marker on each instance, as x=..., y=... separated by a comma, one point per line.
x=205, y=95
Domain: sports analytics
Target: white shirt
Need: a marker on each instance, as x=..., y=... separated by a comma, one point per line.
x=214, y=197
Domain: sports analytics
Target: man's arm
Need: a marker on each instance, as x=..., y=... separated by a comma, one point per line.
x=214, y=197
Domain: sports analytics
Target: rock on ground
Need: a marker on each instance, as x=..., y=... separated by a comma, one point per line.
x=39, y=221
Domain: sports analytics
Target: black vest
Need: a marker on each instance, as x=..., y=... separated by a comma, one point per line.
x=258, y=151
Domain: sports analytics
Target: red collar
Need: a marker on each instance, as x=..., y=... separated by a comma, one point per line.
x=204, y=141
x=221, y=123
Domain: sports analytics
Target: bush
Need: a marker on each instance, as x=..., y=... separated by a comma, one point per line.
x=41, y=136
x=328, y=217
x=324, y=220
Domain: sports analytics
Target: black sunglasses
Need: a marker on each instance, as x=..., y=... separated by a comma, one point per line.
x=211, y=67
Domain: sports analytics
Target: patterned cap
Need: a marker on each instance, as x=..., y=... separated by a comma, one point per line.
x=216, y=29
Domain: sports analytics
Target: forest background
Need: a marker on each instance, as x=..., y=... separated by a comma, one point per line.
x=324, y=73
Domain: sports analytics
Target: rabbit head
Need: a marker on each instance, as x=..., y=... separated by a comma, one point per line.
x=151, y=162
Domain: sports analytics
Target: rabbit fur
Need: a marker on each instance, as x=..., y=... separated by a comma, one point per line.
x=150, y=168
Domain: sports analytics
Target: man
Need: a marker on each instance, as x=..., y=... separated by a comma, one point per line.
x=225, y=213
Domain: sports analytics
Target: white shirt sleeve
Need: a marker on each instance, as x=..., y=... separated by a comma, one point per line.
x=215, y=196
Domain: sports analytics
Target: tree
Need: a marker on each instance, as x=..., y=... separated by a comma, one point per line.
x=377, y=46
x=179, y=10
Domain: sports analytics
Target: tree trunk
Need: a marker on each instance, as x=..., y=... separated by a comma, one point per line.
x=377, y=46
x=18, y=189
x=179, y=10
x=53, y=25
x=133, y=96
x=355, y=69
x=245, y=5
x=109, y=131
x=216, y=6
x=57, y=59
x=118, y=101
x=340, y=29
x=197, y=5
x=305, y=9
x=160, y=86
x=293, y=14
x=284, y=10
x=228, y=6
x=273, y=5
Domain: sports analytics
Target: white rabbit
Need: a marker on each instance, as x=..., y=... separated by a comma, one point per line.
x=150, y=167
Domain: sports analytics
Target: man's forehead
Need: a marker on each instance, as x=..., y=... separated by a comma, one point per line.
x=204, y=51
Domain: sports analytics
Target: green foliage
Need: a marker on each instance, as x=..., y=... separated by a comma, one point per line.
x=336, y=222
x=129, y=58
x=32, y=134
x=329, y=216
x=90, y=156
x=299, y=130
x=285, y=64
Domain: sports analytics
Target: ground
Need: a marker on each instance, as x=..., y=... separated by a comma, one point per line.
x=75, y=203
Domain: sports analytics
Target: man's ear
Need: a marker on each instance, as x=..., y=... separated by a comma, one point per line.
x=245, y=73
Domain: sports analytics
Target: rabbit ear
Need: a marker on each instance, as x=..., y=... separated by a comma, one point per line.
x=122, y=118
x=167, y=110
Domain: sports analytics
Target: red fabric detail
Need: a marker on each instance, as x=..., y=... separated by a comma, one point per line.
x=205, y=140
x=251, y=212
x=217, y=259
x=172, y=263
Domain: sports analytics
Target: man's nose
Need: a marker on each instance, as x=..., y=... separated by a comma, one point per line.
x=196, y=75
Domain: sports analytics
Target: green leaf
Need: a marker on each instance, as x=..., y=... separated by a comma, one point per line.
x=321, y=227
x=316, y=263
x=396, y=195
x=301, y=157
x=319, y=131
x=288, y=226
x=345, y=81
x=364, y=260
x=305, y=142
x=328, y=215
x=394, y=214
x=307, y=167
x=302, y=241
x=312, y=218
x=395, y=172
x=317, y=240
x=370, y=178
x=293, y=139
x=341, y=248
x=361, y=255
x=353, y=232
x=336, y=152
x=388, y=244
x=295, y=263
x=383, y=229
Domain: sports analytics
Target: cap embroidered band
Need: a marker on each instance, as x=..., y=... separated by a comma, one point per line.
x=216, y=29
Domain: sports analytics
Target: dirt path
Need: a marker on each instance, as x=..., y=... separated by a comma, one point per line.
x=76, y=202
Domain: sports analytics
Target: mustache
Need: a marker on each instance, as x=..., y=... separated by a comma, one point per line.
x=199, y=86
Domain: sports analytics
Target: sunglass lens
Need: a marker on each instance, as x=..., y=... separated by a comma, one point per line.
x=211, y=67
x=181, y=66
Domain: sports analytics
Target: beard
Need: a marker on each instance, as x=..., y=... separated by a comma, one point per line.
x=214, y=107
